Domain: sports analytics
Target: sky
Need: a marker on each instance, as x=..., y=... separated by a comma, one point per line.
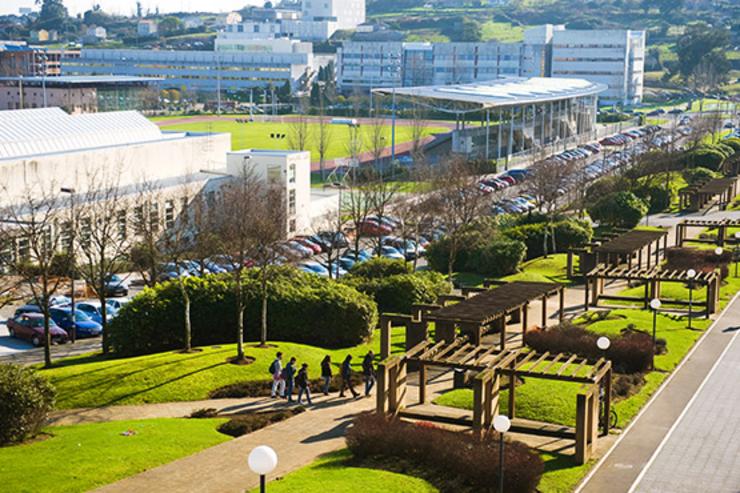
x=129, y=6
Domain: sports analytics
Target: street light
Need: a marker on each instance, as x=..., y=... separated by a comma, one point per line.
x=73, y=273
x=262, y=460
x=691, y=274
x=603, y=343
x=655, y=305
x=501, y=424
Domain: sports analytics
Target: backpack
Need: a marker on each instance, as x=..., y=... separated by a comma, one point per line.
x=273, y=367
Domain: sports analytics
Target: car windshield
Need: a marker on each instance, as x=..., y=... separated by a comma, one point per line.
x=39, y=322
x=81, y=316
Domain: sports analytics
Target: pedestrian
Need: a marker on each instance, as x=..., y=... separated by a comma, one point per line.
x=326, y=373
x=303, y=384
x=346, y=374
x=276, y=370
x=288, y=376
x=368, y=372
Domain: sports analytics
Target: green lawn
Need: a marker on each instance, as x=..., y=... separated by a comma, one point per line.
x=84, y=457
x=561, y=474
x=332, y=474
x=256, y=135
x=503, y=32
x=550, y=269
x=93, y=381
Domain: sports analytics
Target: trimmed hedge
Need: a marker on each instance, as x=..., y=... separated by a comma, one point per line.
x=301, y=308
x=25, y=400
x=707, y=157
x=657, y=197
x=396, y=292
x=464, y=462
x=698, y=175
x=631, y=352
x=569, y=233
x=621, y=209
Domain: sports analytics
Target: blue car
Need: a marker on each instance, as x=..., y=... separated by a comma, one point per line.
x=346, y=262
x=391, y=253
x=84, y=325
x=314, y=268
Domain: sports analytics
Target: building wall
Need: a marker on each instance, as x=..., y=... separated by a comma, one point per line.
x=348, y=14
x=73, y=100
x=195, y=70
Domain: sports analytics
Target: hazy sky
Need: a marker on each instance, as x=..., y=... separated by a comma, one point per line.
x=129, y=6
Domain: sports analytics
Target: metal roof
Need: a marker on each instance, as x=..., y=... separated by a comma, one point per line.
x=82, y=79
x=505, y=92
x=27, y=133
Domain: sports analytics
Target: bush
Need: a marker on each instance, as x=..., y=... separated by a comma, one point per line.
x=621, y=209
x=707, y=157
x=734, y=142
x=25, y=400
x=471, y=462
x=631, y=352
x=498, y=258
x=699, y=260
x=657, y=197
x=379, y=267
x=694, y=176
x=301, y=308
x=397, y=293
x=569, y=233
x=242, y=424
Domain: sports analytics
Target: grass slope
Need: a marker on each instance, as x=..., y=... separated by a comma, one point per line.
x=84, y=457
x=93, y=381
x=257, y=135
x=332, y=474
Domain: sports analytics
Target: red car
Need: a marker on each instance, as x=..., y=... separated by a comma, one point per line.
x=308, y=244
x=31, y=326
x=373, y=228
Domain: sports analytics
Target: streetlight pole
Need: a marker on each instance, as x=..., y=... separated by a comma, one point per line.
x=655, y=305
x=73, y=260
x=501, y=424
x=691, y=274
x=262, y=460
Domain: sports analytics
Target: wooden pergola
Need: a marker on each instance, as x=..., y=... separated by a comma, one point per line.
x=717, y=191
x=721, y=225
x=490, y=365
x=652, y=280
x=628, y=248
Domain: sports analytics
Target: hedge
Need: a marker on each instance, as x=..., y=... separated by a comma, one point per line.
x=621, y=209
x=301, y=308
x=25, y=400
x=396, y=293
x=493, y=255
x=707, y=157
x=460, y=460
x=697, y=175
x=569, y=233
x=657, y=197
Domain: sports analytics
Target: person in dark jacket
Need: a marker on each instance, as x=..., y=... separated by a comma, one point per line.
x=302, y=380
x=326, y=373
x=289, y=379
x=346, y=375
x=368, y=372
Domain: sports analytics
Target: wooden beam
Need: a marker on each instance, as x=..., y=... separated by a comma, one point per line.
x=565, y=365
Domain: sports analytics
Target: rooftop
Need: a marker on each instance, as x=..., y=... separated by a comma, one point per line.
x=502, y=93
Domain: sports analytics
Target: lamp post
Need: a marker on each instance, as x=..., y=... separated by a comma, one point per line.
x=655, y=305
x=603, y=343
x=262, y=460
x=73, y=261
x=691, y=274
x=501, y=424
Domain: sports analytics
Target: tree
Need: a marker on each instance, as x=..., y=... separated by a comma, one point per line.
x=299, y=129
x=53, y=14
x=546, y=183
x=30, y=220
x=418, y=132
x=376, y=136
x=96, y=17
x=322, y=138
x=697, y=41
x=170, y=25
x=103, y=241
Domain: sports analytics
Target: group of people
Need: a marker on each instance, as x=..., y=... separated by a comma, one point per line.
x=286, y=378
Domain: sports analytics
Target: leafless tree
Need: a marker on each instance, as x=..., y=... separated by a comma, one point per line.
x=329, y=227
x=145, y=254
x=419, y=126
x=322, y=138
x=376, y=142
x=299, y=129
x=102, y=246
x=354, y=144
x=547, y=183
x=416, y=211
x=31, y=222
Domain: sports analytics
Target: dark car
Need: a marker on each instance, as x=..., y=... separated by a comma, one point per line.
x=84, y=325
x=115, y=285
x=30, y=326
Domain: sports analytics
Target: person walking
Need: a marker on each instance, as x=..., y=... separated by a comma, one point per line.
x=326, y=373
x=368, y=372
x=346, y=374
x=288, y=376
x=303, y=384
x=276, y=370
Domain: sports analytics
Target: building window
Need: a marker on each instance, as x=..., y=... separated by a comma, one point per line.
x=154, y=217
x=291, y=173
x=139, y=218
x=273, y=174
x=169, y=214
x=291, y=202
x=122, y=221
x=291, y=226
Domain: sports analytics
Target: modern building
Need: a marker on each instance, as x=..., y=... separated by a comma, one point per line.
x=289, y=170
x=17, y=58
x=234, y=66
x=614, y=58
x=520, y=115
x=76, y=94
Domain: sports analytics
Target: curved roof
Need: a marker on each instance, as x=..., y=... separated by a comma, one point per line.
x=50, y=130
x=505, y=92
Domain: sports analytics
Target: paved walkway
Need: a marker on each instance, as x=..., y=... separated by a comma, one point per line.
x=718, y=429
x=223, y=468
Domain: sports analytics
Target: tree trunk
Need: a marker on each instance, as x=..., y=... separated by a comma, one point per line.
x=188, y=325
x=47, y=335
x=239, y=319
x=263, y=332
x=104, y=317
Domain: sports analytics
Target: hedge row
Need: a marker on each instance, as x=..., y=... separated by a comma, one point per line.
x=462, y=461
x=301, y=308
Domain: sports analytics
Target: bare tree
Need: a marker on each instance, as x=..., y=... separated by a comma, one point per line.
x=357, y=205
x=299, y=129
x=354, y=143
x=329, y=228
x=376, y=141
x=103, y=248
x=547, y=183
x=323, y=138
x=31, y=220
x=416, y=211
x=419, y=126
x=145, y=254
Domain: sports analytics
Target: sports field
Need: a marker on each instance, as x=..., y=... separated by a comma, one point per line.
x=268, y=135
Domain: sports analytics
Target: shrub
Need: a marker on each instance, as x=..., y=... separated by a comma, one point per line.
x=379, y=267
x=569, y=233
x=471, y=461
x=301, y=308
x=397, y=293
x=241, y=424
x=25, y=400
x=657, y=197
x=734, y=142
x=631, y=352
x=697, y=175
x=707, y=157
x=699, y=260
x=498, y=258
x=621, y=209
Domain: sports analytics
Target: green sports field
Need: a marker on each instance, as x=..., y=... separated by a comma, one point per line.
x=261, y=135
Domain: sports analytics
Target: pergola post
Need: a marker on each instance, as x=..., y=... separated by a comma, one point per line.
x=381, y=406
x=587, y=288
x=422, y=383
x=561, y=304
x=607, y=383
x=385, y=337
x=477, y=406
x=445, y=331
x=502, y=326
x=581, y=425
x=512, y=391
x=544, y=312
x=525, y=322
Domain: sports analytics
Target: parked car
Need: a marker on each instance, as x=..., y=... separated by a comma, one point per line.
x=313, y=268
x=361, y=256
x=370, y=227
x=115, y=285
x=117, y=303
x=54, y=300
x=84, y=326
x=388, y=251
x=92, y=308
x=30, y=326
x=298, y=249
x=314, y=247
x=336, y=238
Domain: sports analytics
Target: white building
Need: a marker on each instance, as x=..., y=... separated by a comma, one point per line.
x=147, y=27
x=192, y=22
x=290, y=170
x=94, y=35
x=347, y=14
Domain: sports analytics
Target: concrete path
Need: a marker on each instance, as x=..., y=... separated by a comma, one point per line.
x=623, y=465
x=21, y=354
x=223, y=468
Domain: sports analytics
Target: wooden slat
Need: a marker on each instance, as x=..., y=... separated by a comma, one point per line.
x=553, y=362
x=565, y=365
x=579, y=367
x=539, y=360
